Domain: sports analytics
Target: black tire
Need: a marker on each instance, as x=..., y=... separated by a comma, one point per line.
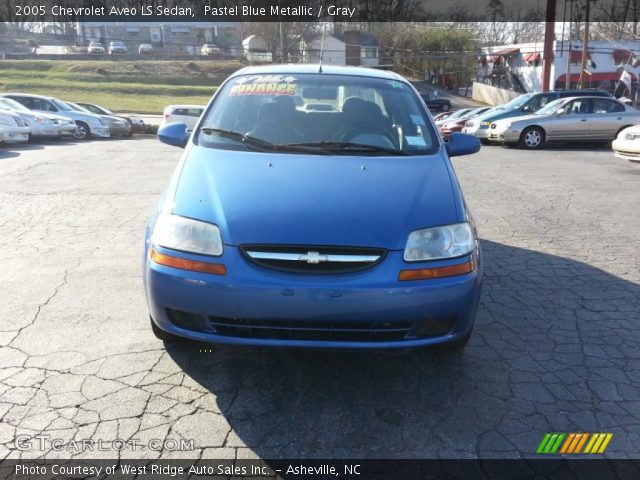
x=445, y=108
x=83, y=132
x=485, y=141
x=532, y=138
x=458, y=345
x=161, y=334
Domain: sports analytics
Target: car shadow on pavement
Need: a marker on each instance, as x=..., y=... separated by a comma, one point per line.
x=555, y=348
x=4, y=154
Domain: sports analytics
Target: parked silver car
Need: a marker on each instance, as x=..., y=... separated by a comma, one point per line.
x=87, y=124
x=591, y=119
x=118, y=127
x=41, y=125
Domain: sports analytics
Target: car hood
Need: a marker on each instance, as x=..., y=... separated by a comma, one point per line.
x=52, y=116
x=522, y=118
x=258, y=198
x=497, y=115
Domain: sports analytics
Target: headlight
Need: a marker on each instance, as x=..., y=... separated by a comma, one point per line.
x=435, y=243
x=187, y=235
x=485, y=124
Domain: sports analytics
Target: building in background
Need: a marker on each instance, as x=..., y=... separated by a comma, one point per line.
x=177, y=36
x=519, y=67
x=348, y=48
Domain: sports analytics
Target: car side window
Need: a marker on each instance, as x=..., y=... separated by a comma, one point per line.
x=577, y=107
x=600, y=106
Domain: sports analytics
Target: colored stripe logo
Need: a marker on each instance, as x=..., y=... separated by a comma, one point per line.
x=574, y=443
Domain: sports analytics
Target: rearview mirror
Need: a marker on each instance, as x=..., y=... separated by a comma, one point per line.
x=320, y=93
x=462, y=144
x=174, y=134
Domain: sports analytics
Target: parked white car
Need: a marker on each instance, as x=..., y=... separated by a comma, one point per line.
x=41, y=125
x=95, y=47
x=87, y=124
x=188, y=114
x=627, y=144
x=145, y=48
x=12, y=128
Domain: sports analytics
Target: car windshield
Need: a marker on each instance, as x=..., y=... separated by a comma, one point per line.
x=551, y=107
x=8, y=104
x=318, y=114
x=62, y=105
x=517, y=102
x=77, y=107
x=458, y=114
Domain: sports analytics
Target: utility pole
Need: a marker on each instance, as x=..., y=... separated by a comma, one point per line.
x=585, y=46
x=549, y=37
x=567, y=82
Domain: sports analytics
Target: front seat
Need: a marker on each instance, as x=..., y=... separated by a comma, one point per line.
x=365, y=123
x=276, y=123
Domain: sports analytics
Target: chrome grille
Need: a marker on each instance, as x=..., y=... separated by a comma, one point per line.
x=20, y=122
x=312, y=259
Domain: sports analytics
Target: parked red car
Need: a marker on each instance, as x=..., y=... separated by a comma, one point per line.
x=457, y=124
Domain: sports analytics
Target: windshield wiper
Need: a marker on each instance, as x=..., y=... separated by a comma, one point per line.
x=263, y=145
x=349, y=147
x=248, y=140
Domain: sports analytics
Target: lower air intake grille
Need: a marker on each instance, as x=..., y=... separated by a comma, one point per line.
x=311, y=330
x=313, y=259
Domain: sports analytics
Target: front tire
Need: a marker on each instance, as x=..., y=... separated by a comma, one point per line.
x=532, y=138
x=83, y=132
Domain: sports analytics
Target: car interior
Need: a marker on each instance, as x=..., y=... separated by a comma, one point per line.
x=316, y=115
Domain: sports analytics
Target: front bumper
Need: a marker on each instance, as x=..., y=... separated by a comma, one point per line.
x=119, y=130
x=101, y=132
x=476, y=131
x=626, y=149
x=67, y=129
x=45, y=131
x=371, y=309
x=11, y=134
x=504, y=135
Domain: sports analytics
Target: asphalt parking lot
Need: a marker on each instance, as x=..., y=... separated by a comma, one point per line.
x=555, y=349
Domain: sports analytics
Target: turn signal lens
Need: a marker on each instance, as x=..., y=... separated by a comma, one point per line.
x=438, y=272
x=184, y=264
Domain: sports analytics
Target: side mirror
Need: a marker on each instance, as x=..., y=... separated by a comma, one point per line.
x=462, y=144
x=560, y=111
x=174, y=134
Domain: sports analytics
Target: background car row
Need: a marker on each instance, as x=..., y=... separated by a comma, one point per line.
x=535, y=119
x=26, y=117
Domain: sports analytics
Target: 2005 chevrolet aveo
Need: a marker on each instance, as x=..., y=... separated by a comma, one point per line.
x=314, y=207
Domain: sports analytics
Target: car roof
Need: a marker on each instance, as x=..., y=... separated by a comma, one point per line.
x=32, y=95
x=314, y=68
x=587, y=97
x=186, y=106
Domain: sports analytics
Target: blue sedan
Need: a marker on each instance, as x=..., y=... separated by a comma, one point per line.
x=314, y=207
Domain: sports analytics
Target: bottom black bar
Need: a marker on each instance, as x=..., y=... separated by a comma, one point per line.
x=520, y=469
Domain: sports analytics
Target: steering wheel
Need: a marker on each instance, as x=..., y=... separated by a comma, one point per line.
x=370, y=129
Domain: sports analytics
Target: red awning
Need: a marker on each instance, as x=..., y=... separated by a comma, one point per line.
x=495, y=59
x=622, y=56
x=532, y=57
x=507, y=52
x=576, y=56
x=594, y=77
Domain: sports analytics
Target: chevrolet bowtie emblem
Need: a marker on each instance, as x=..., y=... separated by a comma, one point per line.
x=313, y=257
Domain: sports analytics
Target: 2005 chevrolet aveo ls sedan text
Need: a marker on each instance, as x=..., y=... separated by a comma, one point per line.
x=314, y=207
